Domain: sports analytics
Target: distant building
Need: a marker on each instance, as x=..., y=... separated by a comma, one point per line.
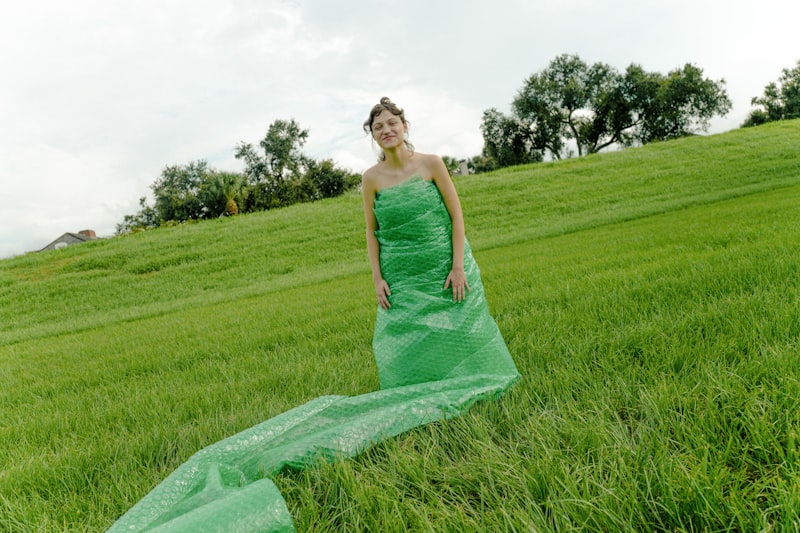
x=71, y=238
x=462, y=169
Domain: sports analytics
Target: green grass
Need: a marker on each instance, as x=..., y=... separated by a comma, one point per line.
x=650, y=298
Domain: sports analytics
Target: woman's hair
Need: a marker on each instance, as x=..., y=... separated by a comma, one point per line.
x=377, y=109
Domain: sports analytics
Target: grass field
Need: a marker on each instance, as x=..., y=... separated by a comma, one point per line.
x=650, y=298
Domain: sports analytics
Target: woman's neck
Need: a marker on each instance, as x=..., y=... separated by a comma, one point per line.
x=397, y=157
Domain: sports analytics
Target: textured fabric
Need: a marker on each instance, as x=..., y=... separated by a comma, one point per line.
x=424, y=335
x=435, y=359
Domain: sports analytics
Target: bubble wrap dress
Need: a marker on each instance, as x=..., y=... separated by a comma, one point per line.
x=425, y=336
x=435, y=359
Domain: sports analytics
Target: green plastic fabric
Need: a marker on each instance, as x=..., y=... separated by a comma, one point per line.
x=435, y=359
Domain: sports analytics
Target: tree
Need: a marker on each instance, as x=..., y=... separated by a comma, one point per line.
x=594, y=106
x=781, y=101
x=324, y=180
x=451, y=163
x=278, y=175
x=221, y=193
x=507, y=141
x=481, y=163
x=146, y=218
x=177, y=192
x=558, y=102
x=684, y=103
x=281, y=146
x=269, y=175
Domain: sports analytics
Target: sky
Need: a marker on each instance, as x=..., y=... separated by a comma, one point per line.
x=98, y=96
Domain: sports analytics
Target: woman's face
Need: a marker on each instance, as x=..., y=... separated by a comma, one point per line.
x=388, y=129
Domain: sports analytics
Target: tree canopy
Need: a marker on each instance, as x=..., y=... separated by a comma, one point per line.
x=512, y=141
x=177, y=191
x=568, y=107
x=273, y=172
x=276, y=174
x=591, y=107
x=781, y=100
x=282, y=156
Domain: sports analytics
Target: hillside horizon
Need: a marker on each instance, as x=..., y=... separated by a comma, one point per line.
x=648, y=297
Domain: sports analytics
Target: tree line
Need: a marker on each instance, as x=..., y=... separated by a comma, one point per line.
x=573, y=108
x=569, y=108
x=277, y=173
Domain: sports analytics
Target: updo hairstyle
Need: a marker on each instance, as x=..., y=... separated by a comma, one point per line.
x=388, y=105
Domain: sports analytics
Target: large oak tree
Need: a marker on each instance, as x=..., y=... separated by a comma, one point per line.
x=591, y=107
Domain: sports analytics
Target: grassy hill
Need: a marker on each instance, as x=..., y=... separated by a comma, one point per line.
x=649, y=298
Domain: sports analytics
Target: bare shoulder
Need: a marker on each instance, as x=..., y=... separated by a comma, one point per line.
x=434, y=167
x=428, y=165
x=371, y=174
x=369, y=180
x=430, y=160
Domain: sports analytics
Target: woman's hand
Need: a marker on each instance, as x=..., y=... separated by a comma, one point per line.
x=382, y=292
x=457, y=279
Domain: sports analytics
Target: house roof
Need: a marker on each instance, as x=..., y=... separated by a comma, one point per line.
x=68, y=238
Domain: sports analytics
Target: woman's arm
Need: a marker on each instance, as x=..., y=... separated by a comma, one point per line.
x=382, y=291
x=457, y=279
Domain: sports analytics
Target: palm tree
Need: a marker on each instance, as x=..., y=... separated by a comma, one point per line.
x=225, y=188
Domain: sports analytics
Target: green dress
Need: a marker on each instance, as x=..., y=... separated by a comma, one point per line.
x=435, y=359
x=425, y=336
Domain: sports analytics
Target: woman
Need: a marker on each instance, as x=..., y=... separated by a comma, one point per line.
x=433, y=322
x=438, y=351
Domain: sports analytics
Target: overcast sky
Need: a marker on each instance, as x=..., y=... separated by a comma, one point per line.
x=98, y=96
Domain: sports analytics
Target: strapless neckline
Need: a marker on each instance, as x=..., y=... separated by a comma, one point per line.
x=414, y=178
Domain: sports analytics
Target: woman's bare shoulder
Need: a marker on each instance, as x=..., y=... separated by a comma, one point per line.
x=432, y=163
x=370, y=173
x=369, y=178
x=428, y=158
